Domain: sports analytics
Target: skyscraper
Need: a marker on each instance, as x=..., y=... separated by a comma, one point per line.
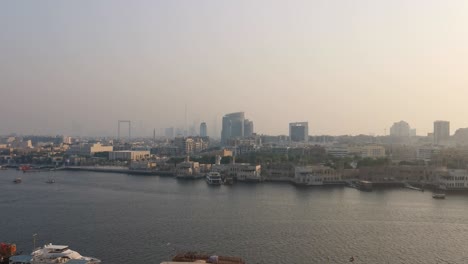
x=400, y=129
x=233, y=126
x=441, y=131
x=203, y=130
x=248, y=128
x=299, y=132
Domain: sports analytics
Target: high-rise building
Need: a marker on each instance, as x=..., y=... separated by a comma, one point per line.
x=233, y=126
x=248, y=128
x=299, y=131
x=441, y=131
x=203, y=130
x=400, y=129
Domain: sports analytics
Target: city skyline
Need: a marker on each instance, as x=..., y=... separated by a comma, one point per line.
x=346, y=67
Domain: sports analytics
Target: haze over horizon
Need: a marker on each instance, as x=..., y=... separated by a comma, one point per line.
x=346, y=67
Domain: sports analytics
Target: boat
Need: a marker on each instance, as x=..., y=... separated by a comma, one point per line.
x=213, y=178
x=50, y=180
x=204, y=258
x=438, y=195
x=228, y=181
x=3, y=168
x=17, y=180
x=365, y=186
x=50, y=254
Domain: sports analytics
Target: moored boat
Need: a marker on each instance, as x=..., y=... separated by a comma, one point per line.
x=18, y=180
x=438, y=195
x=50, y=254
x=204, y=258
x=213, y=178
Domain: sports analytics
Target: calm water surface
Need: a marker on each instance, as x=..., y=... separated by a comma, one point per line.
x=139, y=219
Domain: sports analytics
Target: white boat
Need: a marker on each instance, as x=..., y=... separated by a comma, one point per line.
x=50, y=254
x=213, y=178
x=438, y=196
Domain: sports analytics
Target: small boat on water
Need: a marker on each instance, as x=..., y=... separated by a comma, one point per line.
x=438, y=196
x=17, y=180
x=213, y=178
x=50, y=254
x=50, y=181
x=204, y=258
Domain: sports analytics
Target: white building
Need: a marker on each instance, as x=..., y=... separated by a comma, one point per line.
x=454, y=179
x=240, y=171
x=129, y=155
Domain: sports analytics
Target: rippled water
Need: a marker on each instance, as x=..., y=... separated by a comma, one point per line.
x=139, y=219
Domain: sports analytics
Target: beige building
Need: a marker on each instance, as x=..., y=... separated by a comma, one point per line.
x=315, y=175
x=373, y=151
x=129, y=155
x=88, y=149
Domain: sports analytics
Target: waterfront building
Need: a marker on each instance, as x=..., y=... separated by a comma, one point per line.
x=129, y=155
x=316, y=175
x=187, y=169
x=88, y=149
x=281, y=172
x=299, y=132
x=240, y=171
x=441, y=132
x=143, y=165
x=453, y=179
x=203, y=130
x=233, y=126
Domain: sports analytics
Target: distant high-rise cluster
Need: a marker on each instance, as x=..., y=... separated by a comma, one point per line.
x=441, y=131
x=299, y=132
x=236, y=126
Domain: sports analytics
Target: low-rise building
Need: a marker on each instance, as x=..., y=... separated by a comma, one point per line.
x=456, y=179
x=373, y=151
x=88, y=149
x=316, y=175
x=129, y=155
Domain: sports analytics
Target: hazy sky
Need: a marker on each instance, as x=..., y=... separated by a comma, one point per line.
x=346, y=66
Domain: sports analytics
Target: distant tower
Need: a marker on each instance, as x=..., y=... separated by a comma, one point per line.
x=299, y=132
x=233, y=126
x=203, y=130
x=154, y=135
x=248, y=128
x=441, y=131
